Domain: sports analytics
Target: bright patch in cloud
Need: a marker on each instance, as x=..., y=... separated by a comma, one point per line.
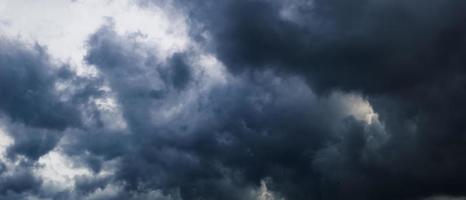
x=64, y=26
x=58, y=170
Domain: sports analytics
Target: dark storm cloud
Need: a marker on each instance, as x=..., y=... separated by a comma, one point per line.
x=406, y=56
x=19, y=182
x=225, y=142
x=27, y=88
x=34, y=113
x=288, y=115
x=31, y=142
x=373, y=46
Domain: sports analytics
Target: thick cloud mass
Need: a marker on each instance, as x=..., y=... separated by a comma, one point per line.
x=372, y=46
x=269, y=100
x=27, y=88
x=406, y=56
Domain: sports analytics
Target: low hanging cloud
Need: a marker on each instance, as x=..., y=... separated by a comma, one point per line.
x=259, y=100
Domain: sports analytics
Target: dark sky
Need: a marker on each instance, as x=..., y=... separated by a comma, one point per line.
x=263, y=100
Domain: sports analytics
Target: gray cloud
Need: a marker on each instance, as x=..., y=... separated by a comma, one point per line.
x=228, y=139
x=27, y=85
x=404, y=56
x=319, y=100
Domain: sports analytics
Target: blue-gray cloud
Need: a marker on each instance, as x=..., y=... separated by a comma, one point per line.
x=321, y=100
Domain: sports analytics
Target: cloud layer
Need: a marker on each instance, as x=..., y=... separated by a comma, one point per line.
x=236, y=99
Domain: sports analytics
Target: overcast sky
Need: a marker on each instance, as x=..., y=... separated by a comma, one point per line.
x=232, y=100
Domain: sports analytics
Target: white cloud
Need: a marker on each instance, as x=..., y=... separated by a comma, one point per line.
x=58, y=171
x=64, y=25
x=265, y=194
x=354, y=105
x=5, y=142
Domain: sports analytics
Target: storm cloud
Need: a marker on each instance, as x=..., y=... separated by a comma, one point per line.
x=234, y=100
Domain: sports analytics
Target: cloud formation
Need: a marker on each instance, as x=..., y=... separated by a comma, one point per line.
x=243, y=99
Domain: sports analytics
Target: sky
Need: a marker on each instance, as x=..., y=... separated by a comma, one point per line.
x=232, y=100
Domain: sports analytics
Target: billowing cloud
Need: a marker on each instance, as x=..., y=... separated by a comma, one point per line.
x=244, y=99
